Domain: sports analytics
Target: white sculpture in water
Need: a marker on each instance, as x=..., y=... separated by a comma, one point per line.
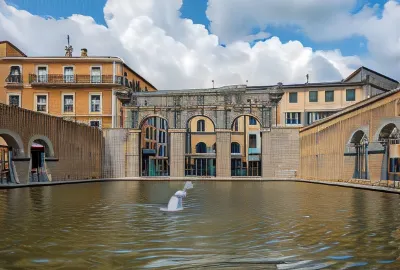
x=175, y=203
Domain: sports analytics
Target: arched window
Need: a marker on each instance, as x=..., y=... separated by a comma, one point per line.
x=235, y=148
x=201, y=125
x=147, y=133
x=201, y=148
x=252, y=121
x=214, y=147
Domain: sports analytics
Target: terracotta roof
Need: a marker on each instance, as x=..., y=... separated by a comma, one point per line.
x=14, y=47
x=352, y=108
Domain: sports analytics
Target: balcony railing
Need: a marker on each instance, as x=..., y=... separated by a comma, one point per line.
x=14, y=79
x=74, y=79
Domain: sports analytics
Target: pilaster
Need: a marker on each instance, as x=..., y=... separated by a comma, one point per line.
x=177, y=152
x=223, y=152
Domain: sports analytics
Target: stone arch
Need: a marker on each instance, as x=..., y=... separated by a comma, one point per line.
x=237, y=116
x=43, y=140
x=188, y=116
x=145, y=117
x=356, y=133
x=387, y=125
x=14, y=141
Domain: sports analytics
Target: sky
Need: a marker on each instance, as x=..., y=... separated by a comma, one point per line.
x=186, y=44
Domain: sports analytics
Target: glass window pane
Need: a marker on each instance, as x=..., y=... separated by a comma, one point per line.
x=313, y=96
x=293, y=97
x=329, y=96
x=350, y=95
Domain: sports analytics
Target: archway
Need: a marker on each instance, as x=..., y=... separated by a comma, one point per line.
x=10, y=147
x=359, y=140
x=154, y=157
x=246, y=146
x=200, y=147
x=389, y=137
x=40, y=147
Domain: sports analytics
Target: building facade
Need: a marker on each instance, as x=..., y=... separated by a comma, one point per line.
x=303, y=104
x=79, y=89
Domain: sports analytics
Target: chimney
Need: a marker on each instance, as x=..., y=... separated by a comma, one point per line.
x=84, y=52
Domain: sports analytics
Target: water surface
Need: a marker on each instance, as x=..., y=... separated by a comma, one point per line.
x=225, y=225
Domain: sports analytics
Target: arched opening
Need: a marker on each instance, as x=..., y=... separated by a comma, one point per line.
x=246, y=146
x=10, y=147
x=360, y=142
x=154, y=147
x=40, y=148
x=389, y=137
x=200, y=147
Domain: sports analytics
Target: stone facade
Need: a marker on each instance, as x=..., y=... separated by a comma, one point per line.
x=73, y=151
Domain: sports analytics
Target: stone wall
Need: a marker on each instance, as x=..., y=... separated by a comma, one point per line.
x=280, y=153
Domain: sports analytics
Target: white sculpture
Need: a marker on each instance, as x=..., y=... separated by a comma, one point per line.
x=175, y=203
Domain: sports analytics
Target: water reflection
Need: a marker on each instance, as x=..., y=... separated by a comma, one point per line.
x=242, y=224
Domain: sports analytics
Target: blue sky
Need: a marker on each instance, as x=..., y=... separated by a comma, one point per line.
x=195, y=10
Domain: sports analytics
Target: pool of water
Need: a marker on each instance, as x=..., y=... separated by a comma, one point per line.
x=225, y=225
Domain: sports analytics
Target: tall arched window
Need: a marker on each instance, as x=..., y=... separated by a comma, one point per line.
x=147, y=133
x=201, y=125
x=235, y=148
x=201, y=148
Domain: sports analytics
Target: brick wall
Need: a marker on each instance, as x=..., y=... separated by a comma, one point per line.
x=280, y=153
x=76, y=149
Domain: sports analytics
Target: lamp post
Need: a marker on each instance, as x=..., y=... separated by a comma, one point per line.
x=275, y=96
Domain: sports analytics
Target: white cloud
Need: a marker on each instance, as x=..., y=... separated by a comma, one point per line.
x=319, y=20
x=171, y=52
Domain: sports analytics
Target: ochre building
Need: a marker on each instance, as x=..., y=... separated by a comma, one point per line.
x=76, y=88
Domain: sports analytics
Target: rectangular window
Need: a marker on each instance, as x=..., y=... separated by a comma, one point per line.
x=293, y=118
x=42, y=74
x=315, y=116
x=14, y=100
x=350, y=94
x=41, y=103
x=68, y=74
x=252, y=141
x=95, y=75
x=95, y=123
x=329, y=96
x=95, y=103
x=313, y=96
x=68, y=101
x=293, y=97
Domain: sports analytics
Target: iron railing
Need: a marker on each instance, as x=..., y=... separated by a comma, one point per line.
x=14, y=79
x=74, y=79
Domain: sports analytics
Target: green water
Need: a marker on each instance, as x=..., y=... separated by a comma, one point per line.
x=225, y=225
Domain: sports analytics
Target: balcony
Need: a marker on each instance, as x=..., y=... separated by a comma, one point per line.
x=77, y=80
x=13, y=81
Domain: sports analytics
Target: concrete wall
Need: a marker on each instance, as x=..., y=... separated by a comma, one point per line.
x=73, y=151
x=280, y=153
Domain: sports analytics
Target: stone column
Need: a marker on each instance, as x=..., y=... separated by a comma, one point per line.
x=133, y=153
x=177, y=152
x=384, y=168
x=266, y=156
x=223, y=153
x=22, y=170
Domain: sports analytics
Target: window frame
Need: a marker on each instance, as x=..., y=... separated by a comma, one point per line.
x=333, y=95
x=198, y=124
x=297, y=97
x=14, y=94
x=47, y=73
x=73, y=74
x=36, y=103
x=309, y=96
x=63, y=104
x=21, y=75
x=255, y=141
x=298, y=118
x=101, y=74
x=351, y=89
x=90, y=102
x=95, y=120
